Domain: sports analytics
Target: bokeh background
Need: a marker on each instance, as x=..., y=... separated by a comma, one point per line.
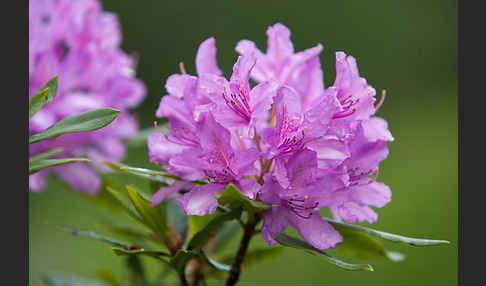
x=408, y=48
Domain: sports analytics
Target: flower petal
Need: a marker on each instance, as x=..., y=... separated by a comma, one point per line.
x=170, y=192
x=206, y=58
x=261, y=99
x=241, y=74
x=330, y=152
x=376, y=194
x=316, y=231
x=375, y=129
x=181, y=85
x=274, y=223
x=37, y=181
x=353, y=212
x=279, y=45
x=201, y=200
x=161, y=149
x=262, y=71
x=301, y=168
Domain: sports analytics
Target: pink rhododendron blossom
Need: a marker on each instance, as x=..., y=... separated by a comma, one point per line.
x=79, y=42
x=287, y=141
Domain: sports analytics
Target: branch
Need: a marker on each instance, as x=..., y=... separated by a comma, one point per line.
x=240, y=256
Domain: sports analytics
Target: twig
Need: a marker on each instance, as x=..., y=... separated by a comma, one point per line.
x=240, y=256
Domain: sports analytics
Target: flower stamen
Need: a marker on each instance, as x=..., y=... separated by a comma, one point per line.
x=382, y=99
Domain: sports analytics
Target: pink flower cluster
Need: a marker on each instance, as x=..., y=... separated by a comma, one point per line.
x=80, y=43
x=287, y=140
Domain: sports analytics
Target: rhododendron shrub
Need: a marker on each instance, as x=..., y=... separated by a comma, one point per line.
x=263, y=148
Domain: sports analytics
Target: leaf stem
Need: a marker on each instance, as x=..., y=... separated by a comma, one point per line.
x=240, y=256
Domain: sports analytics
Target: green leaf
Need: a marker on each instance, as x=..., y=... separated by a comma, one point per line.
x=84, y=122
x=138, y=251
x=124, y=201
x=37, y=165
x=389, y=236
x=214, y=264
x=363, y=246
x=45, y=155
x=290, y=241
x=197, y=223
x=63, y=279
x=211, y=229
x=43, y=96
x=153, y=217
x=180, y=260
x=257, y=255
x=96, y=236
x=158, y=176
x=233, y=197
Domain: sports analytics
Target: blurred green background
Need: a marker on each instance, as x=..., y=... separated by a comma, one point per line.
x=408, y=48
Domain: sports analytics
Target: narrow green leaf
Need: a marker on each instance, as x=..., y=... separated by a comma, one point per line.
x=158, y=176
x=290, y=241
x=389, y=236
x=233, y=197
x=215, y=264
x=138, y=251
x=211, y=229
x=124, y=202
x=153, y=217
x=43, y=96
x=84, y=122
x=64, y=279
x=45, y=155
x=362, y=245
x=38, y=165
x=96, y=236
